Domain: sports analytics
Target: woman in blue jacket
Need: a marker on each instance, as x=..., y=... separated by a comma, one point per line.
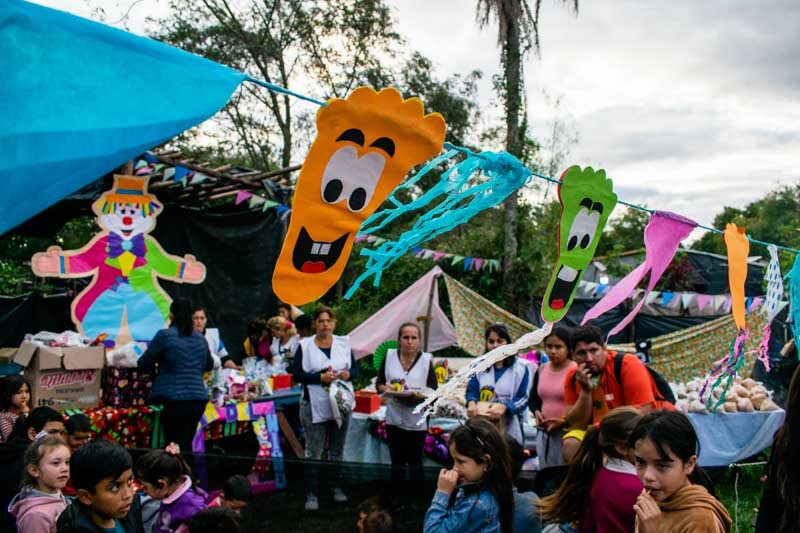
x=180, y=356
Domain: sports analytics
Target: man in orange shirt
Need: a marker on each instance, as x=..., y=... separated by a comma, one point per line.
x=591, y=389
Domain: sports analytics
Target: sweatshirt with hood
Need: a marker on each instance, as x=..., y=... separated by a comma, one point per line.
x=36, y=511
x=693, y=510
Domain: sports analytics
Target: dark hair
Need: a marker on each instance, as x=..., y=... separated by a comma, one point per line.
x=568, y=503
x=256, y=327
x=405, y=325
x=38, y=418
x=671, y=430
x=96, y=461
x=214, y=520
x=159, y=464
x=378, y=521
x=785, y=460
x=476, y=438
x=11, y=385
x=202, y=308
x=78, y=422
x=237, y=488
x=303, y=323
x=372, y=503
x=34, y=454
x=323, y=309
x=181, y=310
x=285, y=306
x=516, y=454
x=560, y=332
x=588, y=333
x=500, y=330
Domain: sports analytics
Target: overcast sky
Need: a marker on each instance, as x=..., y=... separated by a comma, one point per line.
x=688, y=105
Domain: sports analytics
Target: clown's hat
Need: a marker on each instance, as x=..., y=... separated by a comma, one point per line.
x=128, y=190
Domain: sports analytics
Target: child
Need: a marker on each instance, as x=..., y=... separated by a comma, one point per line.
x=525, y=516
x=40, y=501
x=105, y=499
x=79, y=429
x=215, y=520
x=235, y=494
x=165, y=476
x=475, y=496
x=378, y=522
x=601, y=485
x=14, y=400
x=665, y=445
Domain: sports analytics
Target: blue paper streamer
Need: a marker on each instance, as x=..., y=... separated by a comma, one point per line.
x=460, y=197
x=794, y=297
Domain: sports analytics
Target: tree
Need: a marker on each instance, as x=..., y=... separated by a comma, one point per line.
x=517, y=33
x=333, y=46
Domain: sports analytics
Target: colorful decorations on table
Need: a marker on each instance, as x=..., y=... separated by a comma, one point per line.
x=133, y=427
x=479, y=182
x=662, y=236
x=365, y=146
x=794, y=298
x=126, y=387
x=125, y=263
x=380, y=352
x=725, y=370
x=587, y=199
x=745, y=396
x=772, y=304
x=436, y=447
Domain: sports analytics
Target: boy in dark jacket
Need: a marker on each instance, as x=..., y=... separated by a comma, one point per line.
x=105, y=499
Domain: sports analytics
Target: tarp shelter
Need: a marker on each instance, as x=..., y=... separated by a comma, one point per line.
x=418, y=304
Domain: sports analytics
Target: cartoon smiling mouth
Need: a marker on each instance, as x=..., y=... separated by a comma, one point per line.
x=312, y=257
x=565, y=283
x=127, y=232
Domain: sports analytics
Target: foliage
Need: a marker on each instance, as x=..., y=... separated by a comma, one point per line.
x=773, y=218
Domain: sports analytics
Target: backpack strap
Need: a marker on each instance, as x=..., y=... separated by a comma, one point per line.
x=618, y=368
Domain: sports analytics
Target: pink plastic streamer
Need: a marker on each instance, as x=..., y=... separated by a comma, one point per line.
x=662, y=236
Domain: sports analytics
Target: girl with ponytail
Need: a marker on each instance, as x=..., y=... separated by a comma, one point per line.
x=601, y=485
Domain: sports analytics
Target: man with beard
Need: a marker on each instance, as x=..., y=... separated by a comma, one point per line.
x=593, y=388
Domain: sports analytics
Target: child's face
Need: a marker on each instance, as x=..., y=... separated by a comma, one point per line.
x=662, y=476
x=22, y=398
x=236, y=506
x=469, y=470
x=52, y=471
x=77, y=439
x=112, y=497
x=556, y=349
x=157, y=491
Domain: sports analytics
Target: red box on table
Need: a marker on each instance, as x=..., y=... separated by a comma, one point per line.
x=367, y=402
x=281, y=381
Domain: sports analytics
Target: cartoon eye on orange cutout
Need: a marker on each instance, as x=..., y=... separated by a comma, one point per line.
x=365, y=146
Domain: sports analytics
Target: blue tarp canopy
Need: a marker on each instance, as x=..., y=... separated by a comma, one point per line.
x=80, y=98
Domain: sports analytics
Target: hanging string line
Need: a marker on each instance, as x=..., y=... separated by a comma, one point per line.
x=467, y=151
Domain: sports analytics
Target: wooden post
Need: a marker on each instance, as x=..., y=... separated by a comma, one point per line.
x=427, y=317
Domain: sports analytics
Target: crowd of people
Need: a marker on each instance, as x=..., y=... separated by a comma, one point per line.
x=627, y=460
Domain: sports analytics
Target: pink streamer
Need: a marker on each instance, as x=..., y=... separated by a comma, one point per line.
x=662, y=236
x=477, y=263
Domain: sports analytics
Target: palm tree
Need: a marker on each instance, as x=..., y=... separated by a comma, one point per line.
x=517, y=34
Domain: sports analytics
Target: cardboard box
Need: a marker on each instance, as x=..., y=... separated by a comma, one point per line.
x=62, y=378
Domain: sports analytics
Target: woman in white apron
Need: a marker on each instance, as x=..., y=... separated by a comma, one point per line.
x=505, y=386
x=284, y=340
x=407, y=370
x=320, y=360
x=215, y=345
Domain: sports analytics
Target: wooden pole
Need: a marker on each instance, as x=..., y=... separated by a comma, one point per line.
x=427, y=318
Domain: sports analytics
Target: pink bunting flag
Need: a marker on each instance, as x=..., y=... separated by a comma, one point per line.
x=702, y=301
x=477, y=263
x=241, y=196
x=438, y=255
x=662, y=236
x=360, y=238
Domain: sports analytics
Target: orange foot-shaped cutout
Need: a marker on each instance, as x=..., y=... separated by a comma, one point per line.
x=365, y=146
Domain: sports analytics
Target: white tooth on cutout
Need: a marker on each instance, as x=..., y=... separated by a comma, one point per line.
x=315, y=249
x=324, y=249
x=567, y=274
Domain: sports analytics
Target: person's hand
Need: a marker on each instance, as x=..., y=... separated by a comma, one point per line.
x=229, y=364
x=472, y=409
x=24, y=409
x=648, y=513
x=554, y=424
x=497, y=411
x=582, y=377
x=448, y=479
x=173, y=449
x=540, y=421
x=327, y=377
x=343, y=375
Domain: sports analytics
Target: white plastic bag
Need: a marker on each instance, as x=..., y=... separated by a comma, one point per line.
x=343, y=400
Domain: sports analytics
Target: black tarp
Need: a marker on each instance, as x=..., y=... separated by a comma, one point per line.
x=238, y=248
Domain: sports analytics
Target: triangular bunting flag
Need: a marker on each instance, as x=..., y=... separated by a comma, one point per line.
x=477, y=263
x=687, y=299
x=180, y=173
x=702, y=301
x=141, y=163
x=467, y=263
x=456, y=259
x=267, y=204
x=241, y=195
x=652, y=297
x=438, y=255
x=198, y=178
x=666, y=298
x=169, y=174
x=256, y=200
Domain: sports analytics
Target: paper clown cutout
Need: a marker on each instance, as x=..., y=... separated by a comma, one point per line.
x=125, y=264
x=662, y=236
x=738, y=248
x=587, y=199
x=365, y=146
x=772, y=305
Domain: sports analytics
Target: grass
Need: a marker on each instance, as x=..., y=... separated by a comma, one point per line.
x=747, y=483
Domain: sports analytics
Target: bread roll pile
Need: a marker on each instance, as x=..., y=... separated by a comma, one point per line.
x=744, y=396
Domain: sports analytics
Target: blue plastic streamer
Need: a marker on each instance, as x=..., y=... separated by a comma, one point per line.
x=794, y=297
x=479, y=182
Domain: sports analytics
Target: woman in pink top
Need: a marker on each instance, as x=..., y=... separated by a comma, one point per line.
x=601, y=486
x=547, y=397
